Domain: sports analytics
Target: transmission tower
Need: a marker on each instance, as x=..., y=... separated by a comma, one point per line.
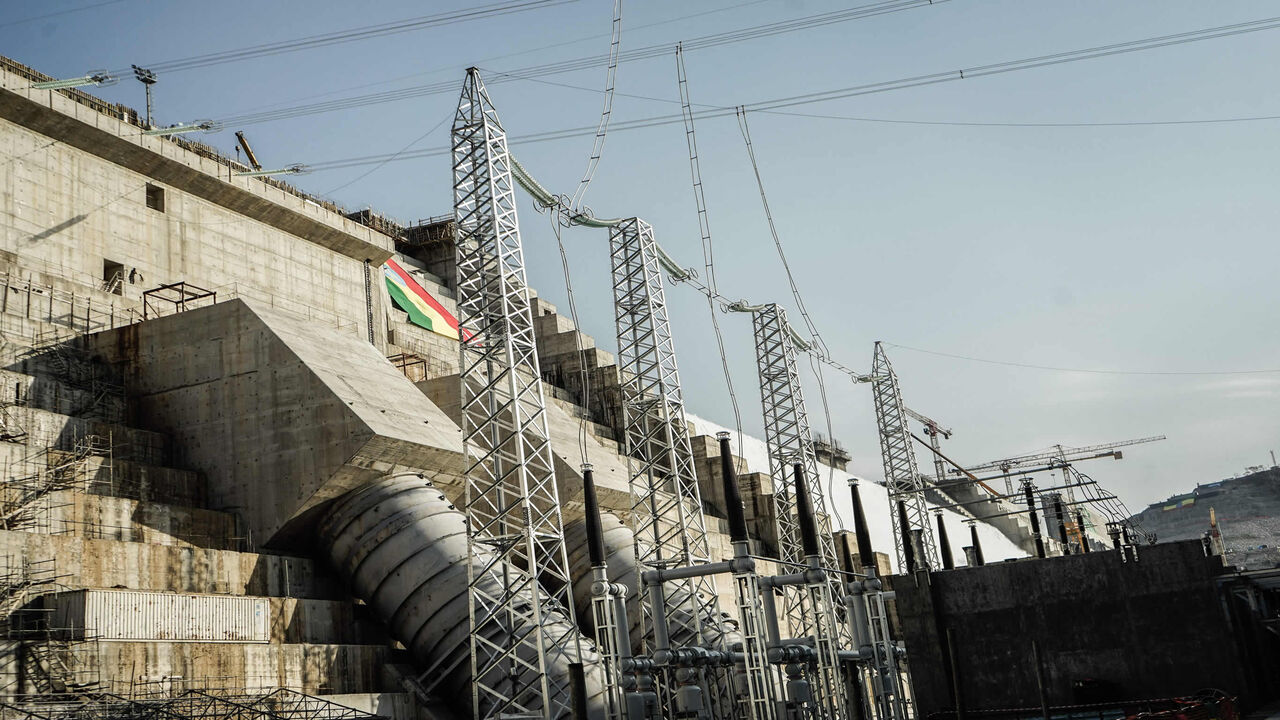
x=906, y=488
x=786, y=431
x=514, y=527
x=666, y=502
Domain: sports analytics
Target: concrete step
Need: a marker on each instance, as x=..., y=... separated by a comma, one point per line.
x=314, y=669
x=83, y=562
x=62, y=395
x=113, y=476
x=45, y=429
x=102, y=517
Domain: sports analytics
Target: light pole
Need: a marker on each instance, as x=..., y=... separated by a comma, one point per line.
x=147, y=78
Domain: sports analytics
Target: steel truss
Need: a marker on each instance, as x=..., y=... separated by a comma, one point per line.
x=666, y=504
x=904, y=483
x=786, y=431
x=515, y=530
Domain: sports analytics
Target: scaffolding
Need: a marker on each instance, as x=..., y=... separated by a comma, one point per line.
x=280, y=704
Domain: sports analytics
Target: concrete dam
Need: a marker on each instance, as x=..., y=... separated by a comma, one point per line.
x=268, y=458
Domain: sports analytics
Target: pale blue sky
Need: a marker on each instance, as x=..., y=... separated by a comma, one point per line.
x=1144, y=248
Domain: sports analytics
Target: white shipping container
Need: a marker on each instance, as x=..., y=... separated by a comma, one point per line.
x=147, y=616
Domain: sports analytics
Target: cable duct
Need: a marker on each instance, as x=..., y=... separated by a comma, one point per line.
x=402, y=547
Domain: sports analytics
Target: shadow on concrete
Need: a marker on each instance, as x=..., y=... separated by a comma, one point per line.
x=64, y=225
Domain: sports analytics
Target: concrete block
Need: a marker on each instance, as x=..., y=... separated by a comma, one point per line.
x=611, y=474
x=280, y=415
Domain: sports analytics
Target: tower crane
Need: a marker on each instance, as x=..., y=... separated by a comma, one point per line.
x=1060, y=454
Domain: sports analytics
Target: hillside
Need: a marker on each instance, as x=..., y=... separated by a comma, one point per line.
x=1248, y=511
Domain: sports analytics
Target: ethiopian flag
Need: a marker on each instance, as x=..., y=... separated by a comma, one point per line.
x=424, y=310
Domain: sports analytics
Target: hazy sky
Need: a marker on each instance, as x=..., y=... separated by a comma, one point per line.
x=1145, y=248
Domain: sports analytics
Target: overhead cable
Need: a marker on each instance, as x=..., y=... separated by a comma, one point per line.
x=611, y=76
x=351, y=35
x=585, y=63
x=1093, y=371
x=792, y=101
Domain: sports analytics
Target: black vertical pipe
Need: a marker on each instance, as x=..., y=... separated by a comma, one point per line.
x=908, y=552
x=578, y=691
x=846, y=557
x=595, y=533
x=944, y=545
x=732, y=493
x=1062, y=525
x=1084, y=539
x=977, y=544
x=1043, y=692
x=865, y=554
x=953, y=656
x=1035, y=521
x=804, y=514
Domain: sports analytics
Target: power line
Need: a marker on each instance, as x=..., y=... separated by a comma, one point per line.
x=886, y=86
x=592, y=61
x=68, y=11
x=481, y=62
x=393, y=156
x=1093, y=371
x=351, y=35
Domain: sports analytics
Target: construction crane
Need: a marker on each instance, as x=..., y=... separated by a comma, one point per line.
x=1060, y=455
x=935, y=432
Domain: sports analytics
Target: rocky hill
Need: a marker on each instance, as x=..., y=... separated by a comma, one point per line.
x=1248, y=511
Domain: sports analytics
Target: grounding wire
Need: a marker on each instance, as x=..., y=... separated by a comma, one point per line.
x=611, y=76
x=704, y=227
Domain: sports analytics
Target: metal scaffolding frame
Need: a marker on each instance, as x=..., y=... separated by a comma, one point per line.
x=514, y=525
x=786, y=432
x=901, y=479
x=281, y=704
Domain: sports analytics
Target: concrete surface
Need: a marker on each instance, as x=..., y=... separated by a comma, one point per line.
x=281, y=416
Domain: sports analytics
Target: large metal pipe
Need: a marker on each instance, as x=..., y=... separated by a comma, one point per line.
x=402, y=547
x=732, y=493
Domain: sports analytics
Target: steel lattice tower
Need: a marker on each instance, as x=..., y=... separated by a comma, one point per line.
x=514, y=527
x=666, y=504
x=900, y=476
x=786, y=431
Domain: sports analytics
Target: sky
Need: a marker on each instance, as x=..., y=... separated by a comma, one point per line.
x=975, y=226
